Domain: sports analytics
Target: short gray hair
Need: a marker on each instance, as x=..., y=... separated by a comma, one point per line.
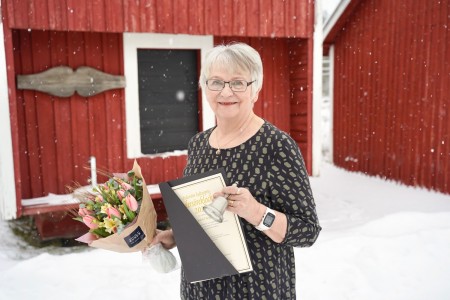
x=239, y=57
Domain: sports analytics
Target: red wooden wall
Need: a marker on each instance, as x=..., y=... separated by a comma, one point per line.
x=286, y=97
x=392, y=92
x=257, y=18
x=58, y=135
x=53, y=137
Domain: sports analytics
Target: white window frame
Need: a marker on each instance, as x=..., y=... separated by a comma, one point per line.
x=131, y=43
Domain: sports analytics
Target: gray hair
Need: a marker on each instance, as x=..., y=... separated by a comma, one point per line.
x=238, y=57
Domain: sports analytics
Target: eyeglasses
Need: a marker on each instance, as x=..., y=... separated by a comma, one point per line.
x=235, y=85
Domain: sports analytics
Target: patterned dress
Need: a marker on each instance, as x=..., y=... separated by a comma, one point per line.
x=270, y=165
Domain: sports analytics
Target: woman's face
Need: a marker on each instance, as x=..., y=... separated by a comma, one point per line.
x=227, y=104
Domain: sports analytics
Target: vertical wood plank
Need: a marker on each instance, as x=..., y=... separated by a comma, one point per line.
x=57, y=14
x=40, y=13
x=388, y=164
x=252, y=20
x=114, y=17
x=257, y=44
x=225, y=17
x=62, y=114
x=290, y=18
x=114, y=105
x=239, y=26
x=95, y=13
x=302, y=18
x=278, y=21
x=267, y=56
x=181, y=22
x=80, y=117
x=196, y=17
x=18, y=14
x=148, y=16
x=265, y=17
x=212, y=24
x=281, y=88
x=408, y=94
x=372, y=95
x=420, y=97
x=165, y=16
x=402, y=131
x=19, y=104
x=77, y=15
x=443, y=112
x=44, y=117
x=132, y=16
x=32, y=141
x=430, y=102
x=100, y=134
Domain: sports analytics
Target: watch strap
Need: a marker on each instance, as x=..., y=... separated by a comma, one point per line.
x=261, y=226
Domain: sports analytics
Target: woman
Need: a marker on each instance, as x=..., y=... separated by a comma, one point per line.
x=273, y=197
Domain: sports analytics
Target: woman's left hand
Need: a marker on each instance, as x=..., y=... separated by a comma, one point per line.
x=241, y=202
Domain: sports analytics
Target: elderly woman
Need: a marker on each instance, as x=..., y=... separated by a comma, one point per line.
x=273, y=198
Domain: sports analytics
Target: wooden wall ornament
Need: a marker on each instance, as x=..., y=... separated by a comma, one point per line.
x=62, y=81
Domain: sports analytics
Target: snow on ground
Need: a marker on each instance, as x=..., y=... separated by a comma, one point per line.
x=380, y=240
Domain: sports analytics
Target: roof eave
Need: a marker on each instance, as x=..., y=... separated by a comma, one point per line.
x=337, y=20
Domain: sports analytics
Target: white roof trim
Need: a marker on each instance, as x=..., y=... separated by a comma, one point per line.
x=334, y=17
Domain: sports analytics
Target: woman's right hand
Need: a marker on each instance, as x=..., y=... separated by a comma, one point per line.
x=165, y=237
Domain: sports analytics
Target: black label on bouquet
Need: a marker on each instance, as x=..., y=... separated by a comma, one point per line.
x=135, y=237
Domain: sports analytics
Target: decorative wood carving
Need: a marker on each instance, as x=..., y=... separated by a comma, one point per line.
x=62, y=81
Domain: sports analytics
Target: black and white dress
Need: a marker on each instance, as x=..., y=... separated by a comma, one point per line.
x=270, y=165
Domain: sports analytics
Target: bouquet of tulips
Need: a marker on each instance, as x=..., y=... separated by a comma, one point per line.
x=121, y=217
x=112, y=205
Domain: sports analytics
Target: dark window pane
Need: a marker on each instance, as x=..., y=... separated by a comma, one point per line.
x=168, y=99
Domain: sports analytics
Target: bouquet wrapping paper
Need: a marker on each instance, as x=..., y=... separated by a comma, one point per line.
x=137, y=235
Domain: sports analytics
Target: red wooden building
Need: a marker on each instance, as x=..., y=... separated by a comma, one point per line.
x=391, y=94
x=53, y=138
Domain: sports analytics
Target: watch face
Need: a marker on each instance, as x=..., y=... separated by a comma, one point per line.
x=268, y=220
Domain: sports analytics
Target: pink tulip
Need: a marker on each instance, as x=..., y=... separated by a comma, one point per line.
x=131, y=202
x=85, y=212
x=99, y=198
x=125, y=186
x=121, y=194
x=89, y=221
x=112, y=211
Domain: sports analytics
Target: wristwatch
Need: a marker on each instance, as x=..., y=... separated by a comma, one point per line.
x=267, y=220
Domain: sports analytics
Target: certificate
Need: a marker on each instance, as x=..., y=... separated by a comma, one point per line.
x=215, y=249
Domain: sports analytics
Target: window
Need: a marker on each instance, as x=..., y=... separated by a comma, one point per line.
x=161, y=98
x=168, y=99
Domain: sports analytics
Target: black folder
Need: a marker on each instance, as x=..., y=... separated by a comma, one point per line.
x=200, y=257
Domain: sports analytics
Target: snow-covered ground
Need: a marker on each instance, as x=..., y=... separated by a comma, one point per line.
x=380, y=240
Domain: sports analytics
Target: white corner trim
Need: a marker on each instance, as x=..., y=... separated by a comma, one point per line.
x=331, y=78
x=317, y=91
x=8, y=206
x=134, y=41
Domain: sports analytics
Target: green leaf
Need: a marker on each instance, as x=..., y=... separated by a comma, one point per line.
x=129, y=213
x=101, y=232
